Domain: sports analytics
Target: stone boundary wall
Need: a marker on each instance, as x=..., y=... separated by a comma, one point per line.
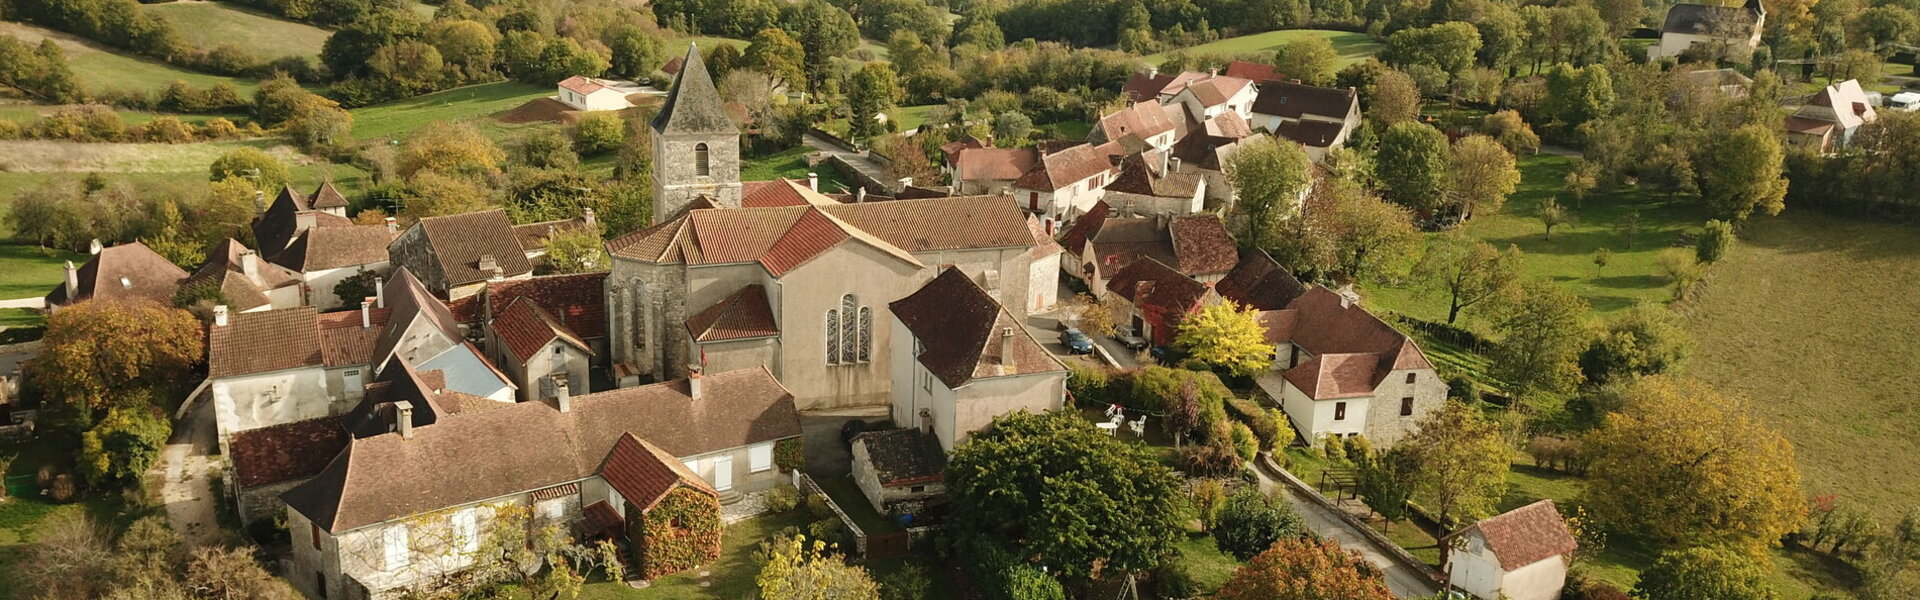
x=1379, y=539
x=808, y=489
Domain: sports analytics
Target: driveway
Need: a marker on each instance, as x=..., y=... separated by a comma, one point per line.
x=187, y=489
x=1404, y=581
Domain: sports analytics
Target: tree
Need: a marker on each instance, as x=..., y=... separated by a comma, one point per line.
x=1011, y=129
x=1878, y=29
x=217, y=572
x=448, y=149
x=431, y=194
x=1462, y=462
x=1251, y=522
x=1306, y=569
x=778, y=55
x=1680, y=267
x=355, y=289
x=262, y=170
x=1552, y=214
x=578, y=250
x=546, y=149
x=1056, y=489
x=1468, y=271
x=1483, y=174
x=1349, y=232
x=1412, y=166
x=1741, y=172
x=1576, y=96
x=635, y=53
x=825, y=32
x=1648, y=340
x=1704, y=573
x=1386, y=483
x=1512, y=132
x=1183, y=412
x=1090, y=314
x=1227, y=336
x=1310, y=59
x=1601, y=258
x=599, y=132
x=1541, y=333
x=800, y=570
x=1395, y=99
x=873, y=91
x=1714, y=241
x=1267, y=177
x=55, y=80
x=99, y=355
x=120, y=448
x=1682, y=462
x=469, y=44
x=1449, y=47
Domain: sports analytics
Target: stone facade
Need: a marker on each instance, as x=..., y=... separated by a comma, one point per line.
x=677, y=178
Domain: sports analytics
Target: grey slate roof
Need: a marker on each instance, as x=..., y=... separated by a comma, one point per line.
x=694, y=104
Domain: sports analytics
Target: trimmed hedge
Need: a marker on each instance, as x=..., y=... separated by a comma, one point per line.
x=1258, y=419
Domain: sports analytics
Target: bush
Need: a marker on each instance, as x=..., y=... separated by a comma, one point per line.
x=818, y=507
x=782, y=498
x=599, y=132
x=1582, y=586
x=1359, y=449
x=1172, y=580
x=1714, y=241
x=789, y=454
x=63, y=489
x=1251, y=522
x=1089, y=385
x=1333, y=447
x=219, y=129
x=1026, y=582
x=1208, y=496
x=1259, y=420
x=1243, y=441
x=1209, y=460
x=909, y=583
x=830, y=530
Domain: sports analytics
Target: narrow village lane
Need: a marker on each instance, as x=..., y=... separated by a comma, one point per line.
x=1404, y=581
x=188, y=490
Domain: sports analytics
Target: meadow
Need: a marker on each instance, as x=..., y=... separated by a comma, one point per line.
x=101, y=69
x=1353, y=47
x=211, y=24
x=396, y=119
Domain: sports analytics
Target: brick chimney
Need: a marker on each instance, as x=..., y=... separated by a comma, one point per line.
x=366, y=312
x=693, y=382
x=403, y=419
x=250, y=265
x=220, y=316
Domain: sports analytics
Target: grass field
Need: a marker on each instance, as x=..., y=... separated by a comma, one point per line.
x=1631, y=276
x=26, y=113
x=31, y=271
x=1815, y=320
x=99, y=68
x=44, y=156
x=791, y=164
x=731, y=576
x=1352, y=47
x=396, y=119
x=211, y=24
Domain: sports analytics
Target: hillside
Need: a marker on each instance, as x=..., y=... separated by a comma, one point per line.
x=102, y=69
x=1352, y=47
x=211, y=24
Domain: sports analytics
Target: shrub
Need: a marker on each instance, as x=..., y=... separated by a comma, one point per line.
x=1208, y=495
x=1251, y=522
x=1027, y=582
x=165, y=130
x=1359, y=449
x=818, y=507
x=1243, y=441
x=831, y=531
x=789, y=454
x=1714, y=241
x=1256, y=419
x=1090, y=385
x=1283, y=435
x=1172, y=580
x=1209, y=460
x=1554, y=453
x=599, y=132
x=63, y=489
x=1333, y=447
x=219, y=129
x=909, y=583
x=1582, y=586
x=782, y=499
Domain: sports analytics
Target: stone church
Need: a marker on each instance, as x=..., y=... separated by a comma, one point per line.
x=734, y=275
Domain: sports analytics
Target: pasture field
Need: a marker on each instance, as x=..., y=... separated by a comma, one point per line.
x=211, y=24
x=396, y=119
x=1353, y=47
x=100, y=68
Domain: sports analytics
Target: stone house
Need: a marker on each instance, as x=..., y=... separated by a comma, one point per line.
x=456, y=255
x=1206, y=155
x=989, y=170
x=397, y=511
x=1521, y=555
x=1154, y=299
x=323, y=256
x=1105, y=241
x=574, y=302
x=129, y=271
x=537, y=351
x=1212, y=95
x=1339, y=370
x=1065, y=184
x=1830, y=119
x=1729, y=33
x=1146, y=123
x=248, y=282
x=900, y=471
x=288, y=365
x=963, y=359
x=268, y=461
x=1043, y=268
x=1320, y=119
x=1149, y=189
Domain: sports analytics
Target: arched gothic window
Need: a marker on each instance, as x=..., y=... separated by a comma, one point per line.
x=700, y=162
x=849, y=333
x=849, y=329
x=833, y=336
x=866, y=334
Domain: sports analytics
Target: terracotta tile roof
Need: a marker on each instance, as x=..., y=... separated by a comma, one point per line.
x=1216, y=90
x=950, y=149
x=693, y=106
x=904, y=457
x=532, y=445
x=1333, y=376
x=1074, y=241
x=927, y=225
x=1203, y=151
x=745, y=314
x=1252, y=71
x=716, y=236
x=1294, y=100
x=1527, y=535
x=344, y=342
x=469, y=310
x=459, y=242
x=777, y=192
x=1278, y=323
x=1843, y=104
x=328, y=196
x=525, y=329
x=577, y=301
x=1043, y=245
x=284, y=452
x=225, y=267
x=673, y=66
x=1136, y=178
x=1325, y=326
x=644, y=474
x=1260, y=282
x=1144, y=86
x=961, y=331
x=975, y=164
x=533, y=236
x=1140, y=119
x=1799, y=124
x=321, y=248
x=1067, y=167
x=123, y=272
x=1318, y=134
x=261, y=342
x=1150, y=284
x=581, y=85
x=1229, y=125
x=664, y=242
x=1202, y=245
x=1123, y=241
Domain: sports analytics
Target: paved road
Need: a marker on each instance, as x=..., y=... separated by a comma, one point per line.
x=1405, y=582
x=187, y=490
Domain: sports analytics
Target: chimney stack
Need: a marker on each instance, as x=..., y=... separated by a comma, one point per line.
x=693, y=382
x=250, y=265
x=860, y=194
x=403, y=419
x=73, y=281
x=366, y=312
x=490, y=266
x=1213, y=72
x=379, y=292
x=1348, y=296
x=1006, y=348
x=1153, y=72
x=220, y=315
x=393, y=225
x=259, y=201
x=813, y=181
x=562, y=395
x=588, y=216
x=1173, y=165
x=94, y=247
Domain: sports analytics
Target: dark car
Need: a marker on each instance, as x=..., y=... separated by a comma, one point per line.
x=1076, y=342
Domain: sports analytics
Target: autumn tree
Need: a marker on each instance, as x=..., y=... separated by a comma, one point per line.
x=1395, y=99
x=252, y=165
x=1227, y=336
x=1705, y=573
x=1541, y=332
x=1648, y=340
x=449, y=149
x=431, y=193
x=578, y=250
x=1483, y=174
x=1680, y=267
x=1306, y=569
x=1268, y=178
x=1412, y=166
x=1348, y=232
x=1468, y=271
x=1090, y=314
x=1311, y=59
x=1251, y=522
x=1462, y=463
x=1682, y=462
x=102, y=354
x=798, y=569
x=1553, y=214
x=1054, y=488
x=1741, y=172
x=1511, y=131
x=778, y=56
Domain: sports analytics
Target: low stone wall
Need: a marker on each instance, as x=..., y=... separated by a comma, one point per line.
x=809, y=489
x=1379, y=539
x=861, y=178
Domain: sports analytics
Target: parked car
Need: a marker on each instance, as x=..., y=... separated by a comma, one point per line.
x=1129, y=338
x=1076, y=342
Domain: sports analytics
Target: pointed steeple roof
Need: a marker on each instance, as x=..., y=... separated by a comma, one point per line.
x=694, y=104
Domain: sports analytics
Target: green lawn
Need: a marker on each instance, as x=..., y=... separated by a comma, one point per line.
x=1209, y=567
x=1352, y=47
x=792, y=164
x=396, y=119
x=211, y=24
x=99, y=68
x=29, y=271
x=845, y=493
x=1630, y=278
x=731, y=577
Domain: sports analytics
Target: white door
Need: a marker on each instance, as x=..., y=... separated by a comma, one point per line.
x=723, y=473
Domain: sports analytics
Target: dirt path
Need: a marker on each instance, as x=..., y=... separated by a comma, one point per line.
x=188, y=491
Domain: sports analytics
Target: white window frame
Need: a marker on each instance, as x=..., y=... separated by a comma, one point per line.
x=394, y=544
x=760, y=457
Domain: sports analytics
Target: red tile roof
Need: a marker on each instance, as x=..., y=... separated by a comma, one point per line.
x=1202, y=245
x=261, y=342
x=975, y=164
x=1334, y=376
x=1260, y=282
x=1146, y=86
x=1067, y=167
x=284, y=452
x=1137, y=178
x=126, y=271
x=581, y=85
x=961, y=328
x=777, y=192
x=321, y=248
x=577, y=301
x=1148, y=283
x=1527, y=535
x=1140, y=119
x=644, y=474
x=713, y=236
x=344, y=342
x=328, y=197
x=1252, y=71
x=459, y=242
x=1074, y=241
x=1216, y=90
x=525, y=329
x=1228, y=125
x=745, y=314
x=810, y=235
